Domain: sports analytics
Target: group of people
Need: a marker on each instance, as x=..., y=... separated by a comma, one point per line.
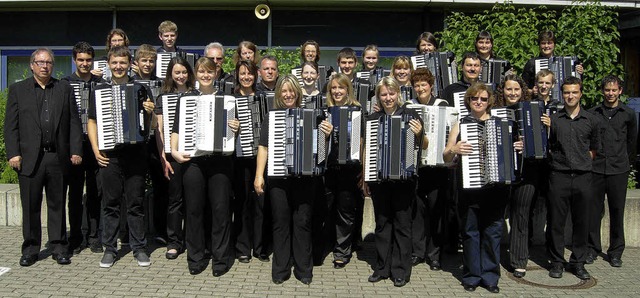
x=225, y=208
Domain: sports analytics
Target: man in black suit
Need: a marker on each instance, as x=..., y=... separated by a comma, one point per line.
x=43, y=137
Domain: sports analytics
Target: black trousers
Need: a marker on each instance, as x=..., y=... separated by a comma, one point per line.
x=482, y=212
x=175, y=208
x=523, y=197
x=291, y=211
x=251, y=221
x=123, y=182
x=343, y=184
x=615, y=189
x=428, y=213
x=48, y=174
x=208, y=180
x=323, y=228
x=569, y=193
x=160, y=187
x=392, y=203
x=84, y=215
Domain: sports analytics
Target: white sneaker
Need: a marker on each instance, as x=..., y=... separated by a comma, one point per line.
x=107, y=260
x=142, y=258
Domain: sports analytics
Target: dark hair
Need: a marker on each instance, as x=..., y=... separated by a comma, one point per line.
x=484, y=35
x=572, y=81
x=82, y=47
x=310, y=63
x=428, y=37
x=310, y=43
x=169, y=84
x=249, y=45
x=526, y=96
x=119, y=51
x=611, y=79
x=252, y=68
x=546, y=35
x=422, y=74
x=347, y=53
x=117, y=31
x=469, y=55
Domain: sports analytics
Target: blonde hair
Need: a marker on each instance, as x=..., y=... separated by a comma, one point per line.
x=292, y=81
x=343, y=80
x=167, y=26
x=391, y=84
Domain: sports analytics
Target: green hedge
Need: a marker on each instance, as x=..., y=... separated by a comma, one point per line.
x=8, y=175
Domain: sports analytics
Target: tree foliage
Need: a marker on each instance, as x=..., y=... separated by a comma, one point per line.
x=586, y=29
x=8, y=175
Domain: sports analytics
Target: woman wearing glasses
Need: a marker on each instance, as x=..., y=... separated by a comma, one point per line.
x=481, y=210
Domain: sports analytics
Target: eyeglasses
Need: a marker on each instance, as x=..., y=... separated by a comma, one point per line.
x=43, y=63
x=476, y=98
x=216, y=58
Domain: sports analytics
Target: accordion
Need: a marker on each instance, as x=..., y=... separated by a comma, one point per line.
x=154, y=85
x=406, y=93
x=562, y=67
x=315, y=101
x=493, y=71
x=390, y=148
x=163, y=59
x=251, y=112
x=437, y=125
x=346, y=121
x=441, y=65
x=493, y=160
x=361, y=91
x=169, y=104
x=203, y=125
x=374, y=76
x=104, y=66
x=297, y=147
x=120, y=115
x=81, y=93
x=532, y=129
x=458, y=103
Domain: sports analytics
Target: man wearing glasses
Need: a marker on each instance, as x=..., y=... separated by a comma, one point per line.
x=215, y=52
x=43, y=138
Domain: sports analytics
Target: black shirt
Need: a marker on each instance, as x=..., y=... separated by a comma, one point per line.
x=529, y=71
x=75, y=78
x=618, y=135
x=570, y=141
x=449, y=91
x=43, y=101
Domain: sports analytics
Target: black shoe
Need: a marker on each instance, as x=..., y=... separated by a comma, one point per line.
x=415, y=261
x=581, y=273
x=338, y=264
x=278, y=281
x=469, y=288
x=591, y=257
x=27, y=261
x=172, y=255
x=435, y=266
x=78, y=249
x=197, y=267
x=399, y=282
x=556, y=271
x=262, y=258
x=218, y=273
x=244, y=259
x=61, y=259
x=615, y=262
x=493, y=289
x=96, y=248
x=376, y=278
x=306, y=280
x=519, y=274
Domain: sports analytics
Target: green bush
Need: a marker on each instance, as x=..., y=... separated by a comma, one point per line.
x=8, y=175
x=588, y=30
